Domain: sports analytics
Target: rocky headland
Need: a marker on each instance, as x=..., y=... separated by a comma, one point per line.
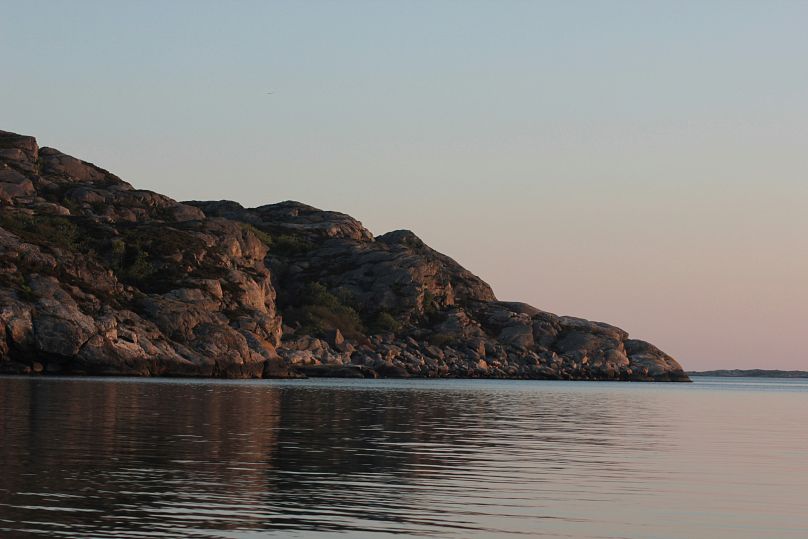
x=97, y=277
x=750, y=373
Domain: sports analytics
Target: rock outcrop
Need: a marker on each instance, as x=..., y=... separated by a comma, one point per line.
x=97, y=277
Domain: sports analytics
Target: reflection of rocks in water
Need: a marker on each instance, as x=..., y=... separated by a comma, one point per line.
x=345, y=449
x=356, y=431
x=168, y=456
x=133, y=450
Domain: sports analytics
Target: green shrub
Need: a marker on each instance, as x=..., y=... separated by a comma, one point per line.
x=26, y=292
x=317, y=294
x=317, y=311
x=153, y=257
x=429, y=305
x=441, y=339
x=317, y=320
x=53, y=230
x=384, y=322
x=136, y=265
x=346, y=297
x=131, y=261
x=262, y=236
x=289, y=245
x=117, y=252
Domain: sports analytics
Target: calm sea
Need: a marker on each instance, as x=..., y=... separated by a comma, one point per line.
x=98, y=458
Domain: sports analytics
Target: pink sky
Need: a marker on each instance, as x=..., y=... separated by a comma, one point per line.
x=642, y=164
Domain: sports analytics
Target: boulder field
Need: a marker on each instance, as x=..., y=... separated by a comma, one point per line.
x=100, y=278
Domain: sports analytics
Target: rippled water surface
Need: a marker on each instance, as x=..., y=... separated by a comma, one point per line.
x=244, y=459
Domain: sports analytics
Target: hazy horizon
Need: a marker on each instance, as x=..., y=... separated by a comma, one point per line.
x=641, y=164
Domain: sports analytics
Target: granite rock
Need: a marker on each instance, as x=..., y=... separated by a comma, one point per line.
x=97, y=277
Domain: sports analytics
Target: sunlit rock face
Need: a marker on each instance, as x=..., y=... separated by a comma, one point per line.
x=98, y=277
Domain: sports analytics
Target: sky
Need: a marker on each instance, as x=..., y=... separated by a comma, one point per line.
x=639, y=163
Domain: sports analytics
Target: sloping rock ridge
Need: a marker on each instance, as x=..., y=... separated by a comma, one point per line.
x=97, y=277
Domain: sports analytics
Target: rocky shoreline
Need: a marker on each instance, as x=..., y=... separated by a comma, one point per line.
x=100, y=278
x=750, y=373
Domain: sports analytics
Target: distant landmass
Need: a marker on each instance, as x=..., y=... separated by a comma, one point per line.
x=97, y=277
x=755, y=373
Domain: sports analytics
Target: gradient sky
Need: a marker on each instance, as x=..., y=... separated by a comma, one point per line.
x=640, y=163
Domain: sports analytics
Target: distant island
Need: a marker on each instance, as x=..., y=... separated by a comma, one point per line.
x=754, y=373
x=100, y=278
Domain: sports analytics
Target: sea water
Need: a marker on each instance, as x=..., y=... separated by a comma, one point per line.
x=125, y=458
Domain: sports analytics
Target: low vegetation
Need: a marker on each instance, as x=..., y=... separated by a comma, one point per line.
x=264, y=237
x=318, y=311
x=54, y=230
x=441, y=339
x=290, y=245
x=384, y=322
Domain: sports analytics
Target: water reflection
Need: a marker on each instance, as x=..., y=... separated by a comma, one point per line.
x=122, y=458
